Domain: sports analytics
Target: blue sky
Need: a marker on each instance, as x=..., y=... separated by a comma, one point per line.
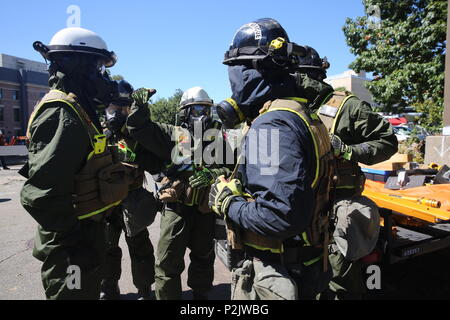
x=178, y=44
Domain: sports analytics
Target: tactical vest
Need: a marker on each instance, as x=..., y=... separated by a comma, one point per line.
x=349, y=178
x=317, y=234
x=102, y=183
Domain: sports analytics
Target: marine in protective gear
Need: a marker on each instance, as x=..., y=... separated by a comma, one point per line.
x=283, y=224
x=186, y=221
x=136, y=212
x=72, y=181
x=357, y=135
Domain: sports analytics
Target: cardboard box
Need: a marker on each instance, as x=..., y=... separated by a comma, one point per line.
x=437, y=149
x=396, y=162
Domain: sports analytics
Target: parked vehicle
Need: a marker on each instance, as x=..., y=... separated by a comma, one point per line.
x=403, y=132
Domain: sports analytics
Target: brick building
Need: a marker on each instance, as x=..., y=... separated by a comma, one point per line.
x=22, y=84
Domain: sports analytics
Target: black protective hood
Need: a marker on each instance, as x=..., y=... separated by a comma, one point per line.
x=251, y=89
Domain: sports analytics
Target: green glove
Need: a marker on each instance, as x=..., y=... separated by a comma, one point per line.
x=222, y=193
x=203, y=178
x=340, y=149
x=140, y=111
x=142, y=95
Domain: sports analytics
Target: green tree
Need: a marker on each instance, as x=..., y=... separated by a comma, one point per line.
x=402, y=42
x=164, y=110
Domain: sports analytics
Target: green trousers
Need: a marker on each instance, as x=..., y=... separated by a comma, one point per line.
x=84, y=249
x=184, y=228
x=139, y=247
x=348, y=281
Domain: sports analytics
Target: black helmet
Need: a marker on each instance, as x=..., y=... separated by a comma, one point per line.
x=252, y=41
x=122, y=97
x=311, y=63
x=263, y=44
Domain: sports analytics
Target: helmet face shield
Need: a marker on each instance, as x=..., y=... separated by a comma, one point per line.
x=198, y=110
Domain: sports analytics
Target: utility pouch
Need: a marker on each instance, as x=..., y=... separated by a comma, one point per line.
x=139, y=211
x=113, y=183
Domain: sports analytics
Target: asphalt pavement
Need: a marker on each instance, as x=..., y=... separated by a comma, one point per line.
x=424, y=277
x=20, y=271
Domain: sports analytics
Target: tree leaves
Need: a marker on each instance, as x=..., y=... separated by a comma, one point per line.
x=165, y=109
x=405, y=51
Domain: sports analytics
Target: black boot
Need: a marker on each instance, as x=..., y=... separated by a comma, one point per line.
x=110, y=290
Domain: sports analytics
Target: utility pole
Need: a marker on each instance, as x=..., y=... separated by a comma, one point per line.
x=438, y=147
x=447, y=80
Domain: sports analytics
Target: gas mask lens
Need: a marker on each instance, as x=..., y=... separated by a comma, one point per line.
x=199, y=110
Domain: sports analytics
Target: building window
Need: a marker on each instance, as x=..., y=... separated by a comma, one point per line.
x=16, y=112
x=15, y=95
x=2, y=117
x=1, y=93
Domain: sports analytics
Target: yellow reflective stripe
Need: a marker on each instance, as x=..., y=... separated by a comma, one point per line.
x=254, y=246
x=316, y=147
x=99, y=211
x=74, y=109
x=297, y=99
x=346, y=187
x=326, y=99
x=236, y=108
x=90, y=154
x=333, y=128
x=312, y=261
x=305, y=239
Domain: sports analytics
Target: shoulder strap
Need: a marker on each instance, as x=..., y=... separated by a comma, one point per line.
x=97, y=142
x=329, y=112
x=312, y=122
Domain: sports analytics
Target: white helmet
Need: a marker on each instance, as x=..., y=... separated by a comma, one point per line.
x=77, y=40
x=195, y=95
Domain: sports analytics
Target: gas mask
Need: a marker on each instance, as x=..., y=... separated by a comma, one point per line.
x=251, y=89
x=115, y=118
x=84, y=74
x=197, y=113
x=117, y=113
x=106, y=89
